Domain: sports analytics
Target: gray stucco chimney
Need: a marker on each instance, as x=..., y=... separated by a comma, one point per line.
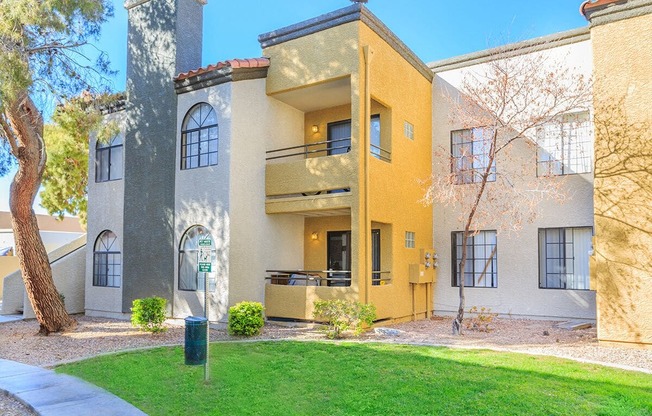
x=164, y=39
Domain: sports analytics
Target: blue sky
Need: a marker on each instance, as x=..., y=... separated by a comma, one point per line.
x=433, y=29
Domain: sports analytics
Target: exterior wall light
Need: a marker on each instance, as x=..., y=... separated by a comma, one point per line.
x=315, y=128
x=314, y=236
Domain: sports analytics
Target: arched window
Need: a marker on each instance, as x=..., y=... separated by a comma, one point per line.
x=107, y=261
x=108, y=160
x=199, y=136
x=189, y=276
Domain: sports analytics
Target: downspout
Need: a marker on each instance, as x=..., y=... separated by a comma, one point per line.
x=368, y=54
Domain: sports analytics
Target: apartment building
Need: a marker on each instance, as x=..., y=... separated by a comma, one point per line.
x=305, y=170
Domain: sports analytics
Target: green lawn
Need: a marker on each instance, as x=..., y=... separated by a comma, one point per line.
x=313, y=378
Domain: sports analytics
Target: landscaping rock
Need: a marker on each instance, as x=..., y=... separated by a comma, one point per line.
x=388, y=332
x=575, y=325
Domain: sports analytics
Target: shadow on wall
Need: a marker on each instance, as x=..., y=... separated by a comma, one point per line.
x=623, y=216
x=215, y=218
x=68, y=271
x=155, y=54
x=515, y=191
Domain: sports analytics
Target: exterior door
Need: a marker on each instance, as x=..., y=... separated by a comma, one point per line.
x=339, y=137
x=339, y=257
x=375, y=257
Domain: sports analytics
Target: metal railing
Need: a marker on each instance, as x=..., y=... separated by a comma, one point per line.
x=380, y=153
x=310, y=277
x=320, y=277
x=377, y=279
x=327, y=147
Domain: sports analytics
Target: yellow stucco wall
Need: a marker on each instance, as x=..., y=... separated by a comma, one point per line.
x=319, y=57
x=622, y=271
x=315, y=250
x=382, y=195
x=399, y=93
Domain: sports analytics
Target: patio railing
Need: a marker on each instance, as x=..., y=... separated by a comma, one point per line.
x=320, y=277
x=312, y=149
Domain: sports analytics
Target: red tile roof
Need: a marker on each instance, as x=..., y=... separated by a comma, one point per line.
x=589, y=5
x=233, y=63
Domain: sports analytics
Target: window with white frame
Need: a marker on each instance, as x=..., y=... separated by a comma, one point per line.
x=107, y=261
x=199, y=137
x=108, y=159
x=566, y=146
x=564, y=257
x=408, y=130
x=470, y=150
x=481, y=265
x=409, y=239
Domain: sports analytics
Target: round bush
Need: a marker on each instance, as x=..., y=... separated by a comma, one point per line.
x=149, y=314
x=246, y=318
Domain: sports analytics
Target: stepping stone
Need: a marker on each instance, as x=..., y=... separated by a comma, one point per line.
x=388, y=332
x=575, y=325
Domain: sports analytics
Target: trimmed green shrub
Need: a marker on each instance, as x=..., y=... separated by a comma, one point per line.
x=246, y=318
x=344, y=315
x=149, y=314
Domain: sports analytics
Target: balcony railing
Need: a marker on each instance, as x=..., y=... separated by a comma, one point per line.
x=380, y=153
x=320, y=277
x=328, y=147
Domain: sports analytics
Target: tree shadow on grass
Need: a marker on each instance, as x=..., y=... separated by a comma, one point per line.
x=334, y=378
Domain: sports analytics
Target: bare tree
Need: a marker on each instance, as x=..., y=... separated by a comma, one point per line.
x=501, y=107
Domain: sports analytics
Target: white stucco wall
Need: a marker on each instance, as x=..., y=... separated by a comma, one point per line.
x=263, y=242
x=105, y=212
x=51, y=239
x=518, y=292
x=202, y=198
x=229, y=198
x=68, y=271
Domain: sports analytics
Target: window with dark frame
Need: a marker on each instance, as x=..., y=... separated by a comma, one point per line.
x=108, y=160
x=481, y=266
x=564, y=258
x=339, y=138
x=199, y=137
x=470, y=155
x=190, y=278
x=566, y=146
x=375, y=257
x=107, y=261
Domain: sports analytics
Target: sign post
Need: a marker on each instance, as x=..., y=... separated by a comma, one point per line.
x=205, y=265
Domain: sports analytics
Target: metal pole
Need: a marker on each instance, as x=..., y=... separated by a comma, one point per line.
x=208, y=332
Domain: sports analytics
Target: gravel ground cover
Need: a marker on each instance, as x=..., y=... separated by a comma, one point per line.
x=19, y=342
x=93, y=336
x=12, y=407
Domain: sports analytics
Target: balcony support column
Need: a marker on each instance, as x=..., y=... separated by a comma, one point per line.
x=364, y=148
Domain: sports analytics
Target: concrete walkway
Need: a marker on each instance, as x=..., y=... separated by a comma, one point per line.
x=52, y=394
x=10, y=318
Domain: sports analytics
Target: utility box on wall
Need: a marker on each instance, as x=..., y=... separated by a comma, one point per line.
x=424, y=272
x=418, y=274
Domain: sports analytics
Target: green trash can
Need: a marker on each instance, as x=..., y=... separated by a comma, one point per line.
x=195, y=342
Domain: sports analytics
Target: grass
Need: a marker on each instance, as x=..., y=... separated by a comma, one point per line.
x=313, y=378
